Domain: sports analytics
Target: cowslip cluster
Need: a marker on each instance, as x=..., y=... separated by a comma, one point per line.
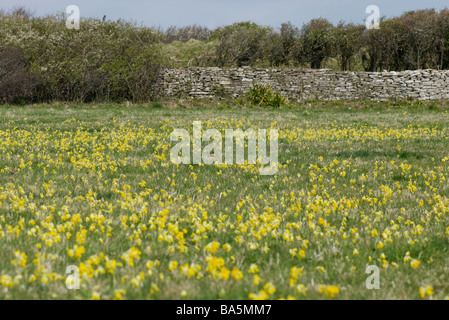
x=104, y=197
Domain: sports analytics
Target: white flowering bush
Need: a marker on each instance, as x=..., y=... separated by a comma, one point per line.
x=103, y=61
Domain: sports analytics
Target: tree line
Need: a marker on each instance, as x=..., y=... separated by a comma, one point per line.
x=415, y=40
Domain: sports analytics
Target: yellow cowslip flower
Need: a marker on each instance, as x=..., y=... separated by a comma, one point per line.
x=355, y=252
x=118, y=294
x=173, y=265
x=293, y=252
x=425, y=291
x=270, y=288
x=236, y=274
x=110, y=266
x=213, y=247
x=253, y=268
x=193, y=270
x=295, y=273
x=265, y=249
x=257, y=280
x=262, y=295
x=329, y=291
x=77, y=252
x=322, y=269
x=32, y=278
x=302, y=289
x=138, y=280
x=86, y=269
x=214, y=264
x=224, y=273
x=407, y=257
x=6, y=281
x=20, y=259
x=95, y=260
x=415, y=263
x=95, y=296
x=143, y=184
x=151, y=264
x=154, y=289
x=227, y=247
x=131, y=255
x=184, y=269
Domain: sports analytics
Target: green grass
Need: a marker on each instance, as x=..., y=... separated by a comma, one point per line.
x=191, y=53
x=362, y=176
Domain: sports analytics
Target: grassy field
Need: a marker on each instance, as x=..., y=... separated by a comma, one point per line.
x=93, y=186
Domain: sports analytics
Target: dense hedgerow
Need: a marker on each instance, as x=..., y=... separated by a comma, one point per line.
x=414, y=40
x=103, y=61
x=42, y=60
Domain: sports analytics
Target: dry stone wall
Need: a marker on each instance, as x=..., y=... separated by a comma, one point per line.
x=302, y=84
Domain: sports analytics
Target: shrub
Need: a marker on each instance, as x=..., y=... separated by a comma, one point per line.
x=17, y=85
x=348, y=41
x=104, y=60
x=264, y=96
x=240, y=44
x=317, y=42
x=184, y=34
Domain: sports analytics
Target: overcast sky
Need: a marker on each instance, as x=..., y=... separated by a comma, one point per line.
x=213, y=13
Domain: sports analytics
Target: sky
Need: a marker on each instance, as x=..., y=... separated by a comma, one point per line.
x=214, y=13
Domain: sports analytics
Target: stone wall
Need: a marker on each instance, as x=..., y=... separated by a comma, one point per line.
x=301, y=84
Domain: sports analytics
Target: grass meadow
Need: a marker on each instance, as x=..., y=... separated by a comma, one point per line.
x=93, y=186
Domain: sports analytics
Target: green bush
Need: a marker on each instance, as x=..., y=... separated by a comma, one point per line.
x=264, y=96
x=240, y=44
x=103, y=61
x=16, y=84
